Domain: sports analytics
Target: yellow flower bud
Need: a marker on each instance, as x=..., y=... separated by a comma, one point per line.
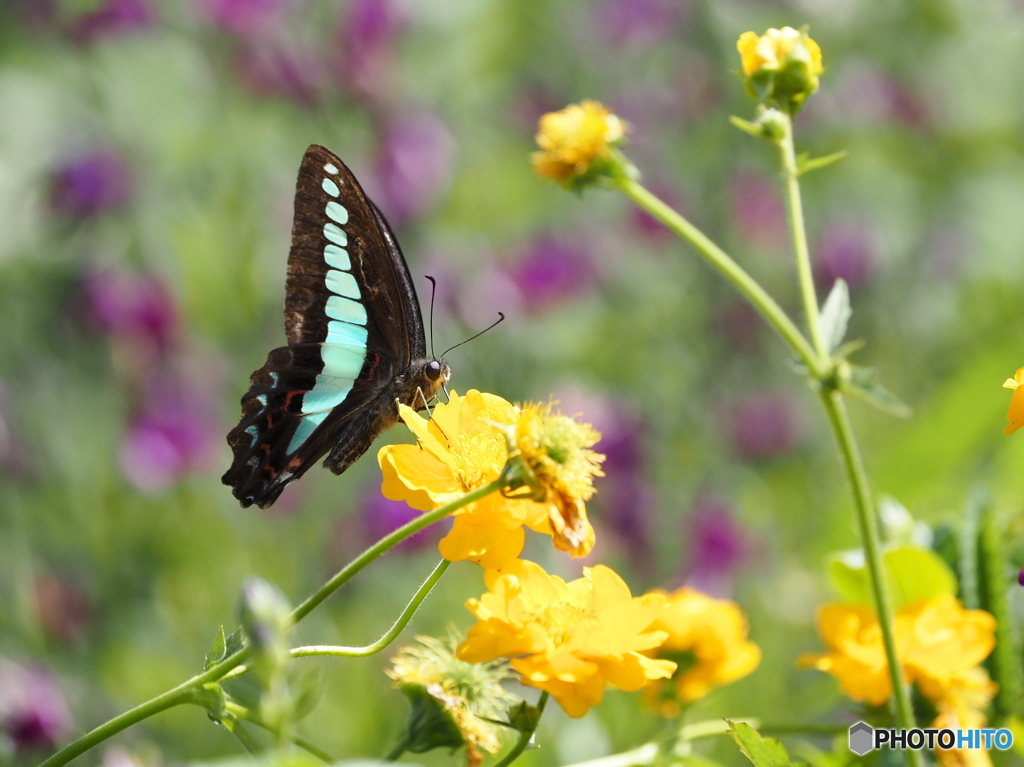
x=576, y=143
x=782, y=66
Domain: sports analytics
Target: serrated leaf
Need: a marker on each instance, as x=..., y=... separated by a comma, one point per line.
x=763, y=752
x=806, y=164
x=835, y=315
x=865, y=384
x=913, y=573
x=218, y=650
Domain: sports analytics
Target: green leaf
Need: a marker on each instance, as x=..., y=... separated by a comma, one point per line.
x=763, y=752
x=864, y=384
x=835, y=315
x=996, y=580
x=218, y=650
x=806, y=164
x=234, y=642
x=913, y=573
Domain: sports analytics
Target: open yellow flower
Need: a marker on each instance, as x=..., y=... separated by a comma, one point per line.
x=573, y=140
x=1015, y=413
x=782, y=65
x=554, y=460
x=462, y=448
x=708, y=638
x=937, y=641
x=570, y=639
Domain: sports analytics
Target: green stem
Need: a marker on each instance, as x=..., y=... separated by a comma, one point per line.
x=397, y=751
x=867, y=522
x=241, y=712
x=798, y=231
x=524, y=737
x=375, y=647
x=399, y=535
x=183, y=692
x=729, y=269
x=650, y=753
x=839, y=420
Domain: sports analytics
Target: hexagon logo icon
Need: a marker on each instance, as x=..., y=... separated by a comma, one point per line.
x=862, y=738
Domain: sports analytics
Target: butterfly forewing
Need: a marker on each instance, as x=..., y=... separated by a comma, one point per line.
x=353, y=324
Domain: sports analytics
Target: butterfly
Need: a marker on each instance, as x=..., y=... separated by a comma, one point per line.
x=356, y=346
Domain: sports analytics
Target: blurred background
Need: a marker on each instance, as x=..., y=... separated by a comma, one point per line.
x=148, y=154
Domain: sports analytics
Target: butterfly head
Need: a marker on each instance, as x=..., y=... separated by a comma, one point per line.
x=437, y=372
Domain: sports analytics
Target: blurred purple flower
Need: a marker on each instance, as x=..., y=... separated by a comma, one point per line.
x=624, y=493
x=170, y=436
x=647, y=225
x=112, y=18
x=246, y=18
x=412, y=167
x=846, y=250
x=92, y=183
x=366, y=47
x=638, y=22
x=757, y=210
x=134, y=308
x=552, y=270
x=764, y=426
x=717, y=546
x=870, y=96
x=33, y=712
x=62, y=608
x=380, y=516
x=281, y=69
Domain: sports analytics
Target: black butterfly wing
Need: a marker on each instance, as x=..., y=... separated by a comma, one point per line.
x=353, y=324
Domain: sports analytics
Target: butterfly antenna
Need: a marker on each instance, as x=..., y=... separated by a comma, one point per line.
x=501, y=318
x=433, y=292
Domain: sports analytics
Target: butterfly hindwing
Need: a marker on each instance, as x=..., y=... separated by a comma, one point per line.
x=354, y=329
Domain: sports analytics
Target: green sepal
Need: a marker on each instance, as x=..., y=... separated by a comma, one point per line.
x=523, y=717
x=912, y=573
x=835, y=315
x=865, y=384
x=805, y=163
x=430, y=724
x=996, y=580
x=754, y=129
x=211, y=697
x=762, y=751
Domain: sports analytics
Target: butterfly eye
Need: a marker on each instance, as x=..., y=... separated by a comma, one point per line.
x=433, y=370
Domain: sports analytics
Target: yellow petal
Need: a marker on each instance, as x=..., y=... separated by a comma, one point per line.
x=416, y=477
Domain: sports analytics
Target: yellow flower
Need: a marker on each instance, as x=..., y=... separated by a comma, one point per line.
x=569, y=639
x=711, y=636
x=961, y=709
x=470, y=695
x=461, y=448
x=1015, y=413
x=554, y=460
x=937, y=640
x=781, y=65
x=574, y=140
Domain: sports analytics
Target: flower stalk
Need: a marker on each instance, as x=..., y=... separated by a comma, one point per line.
x=189, y=690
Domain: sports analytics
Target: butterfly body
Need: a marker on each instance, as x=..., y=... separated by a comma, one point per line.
x=356, y=345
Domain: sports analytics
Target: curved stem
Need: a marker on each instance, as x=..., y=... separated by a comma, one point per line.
x=399, y=535
x=867, y=523
x=179, y=695
x=798, y=231
x=524, y=737
x=729, y=269
x=184, y=691
x=371, y=649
